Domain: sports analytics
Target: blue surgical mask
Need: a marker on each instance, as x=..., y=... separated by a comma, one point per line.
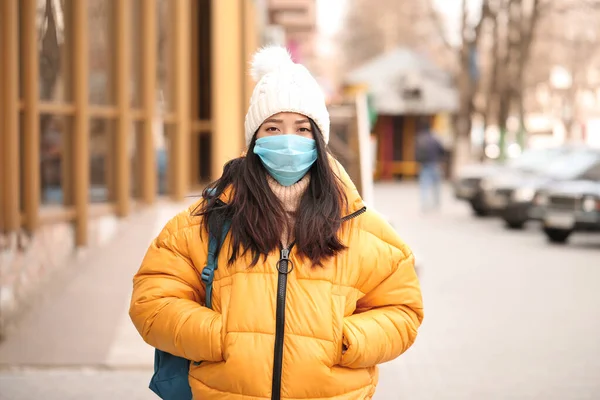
x=287, y=158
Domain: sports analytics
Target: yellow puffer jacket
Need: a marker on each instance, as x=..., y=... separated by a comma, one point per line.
x=366, y=299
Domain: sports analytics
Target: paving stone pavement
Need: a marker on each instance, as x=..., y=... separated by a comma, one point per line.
x=507, y=316
x=79, y=383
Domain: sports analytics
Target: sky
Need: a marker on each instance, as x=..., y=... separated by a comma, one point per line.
x=330, y=14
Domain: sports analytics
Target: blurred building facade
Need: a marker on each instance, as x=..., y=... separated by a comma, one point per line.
x=105, y=106
x=405, y=87
x=297, y=22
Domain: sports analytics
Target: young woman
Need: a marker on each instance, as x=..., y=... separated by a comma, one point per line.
x=313, y=289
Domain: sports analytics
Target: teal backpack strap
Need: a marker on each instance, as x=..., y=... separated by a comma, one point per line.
x=208, y=273
x=170, y=380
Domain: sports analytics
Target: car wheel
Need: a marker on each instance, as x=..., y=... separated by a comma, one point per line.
x=557, y=235
x=515, y=224
x=478, y=210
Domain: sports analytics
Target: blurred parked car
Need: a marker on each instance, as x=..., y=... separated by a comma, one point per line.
x=517, y=193
x=571, y=206
x=474, y=180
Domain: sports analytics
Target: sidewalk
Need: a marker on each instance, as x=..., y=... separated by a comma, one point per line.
x=82, y=317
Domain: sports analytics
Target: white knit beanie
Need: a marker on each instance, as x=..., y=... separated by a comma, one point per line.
x=283, y=86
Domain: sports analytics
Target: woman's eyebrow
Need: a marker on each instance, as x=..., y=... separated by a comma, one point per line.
x=302, y=121
x=275, y=121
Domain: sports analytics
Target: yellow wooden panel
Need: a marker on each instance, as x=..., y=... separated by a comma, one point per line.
x=56, y=108
x=182, y=101
x=9, y=153
x=148, y=182
x=406, y=168
x=31, y=126
x=251, y=40
x=122, y=44
x=3, y=79
x=81, y=160
x=99, y=111
x=227, y=68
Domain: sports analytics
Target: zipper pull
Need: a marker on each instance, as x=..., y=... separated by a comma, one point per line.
x=285, y=265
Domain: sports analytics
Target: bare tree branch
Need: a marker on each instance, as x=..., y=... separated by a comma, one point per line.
x=438, y=23
x=550, y=6
x=486, y=13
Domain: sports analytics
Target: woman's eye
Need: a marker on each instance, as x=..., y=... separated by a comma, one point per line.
x=271, y=129
x=304, y=129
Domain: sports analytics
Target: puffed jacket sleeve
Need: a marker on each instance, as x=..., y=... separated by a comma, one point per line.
x=167, y=296
x=385, y=324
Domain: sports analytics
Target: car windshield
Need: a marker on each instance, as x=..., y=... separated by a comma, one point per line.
x=536, y=160
x=573, y=165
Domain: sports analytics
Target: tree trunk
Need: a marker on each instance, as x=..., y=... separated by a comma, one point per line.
x=527, y=30
x=503, y=112
x=466, y=81
x=491, y=98
x=510, y=59
x=461, y=150
x=462, y=121
x=521, y=139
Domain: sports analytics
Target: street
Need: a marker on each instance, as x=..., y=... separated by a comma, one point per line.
x=507, y=316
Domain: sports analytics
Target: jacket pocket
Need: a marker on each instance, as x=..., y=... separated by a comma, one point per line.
x=225, y=297
x=338, y=305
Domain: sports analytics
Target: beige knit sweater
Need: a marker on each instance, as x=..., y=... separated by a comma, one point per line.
x=290, y=197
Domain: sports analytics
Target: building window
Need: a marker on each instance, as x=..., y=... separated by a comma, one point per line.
x=53, y=57
x=162, y=147
x=202, y=54
x=135, y=158
x=102, y=150
x=100, y=51
x=200, y=149
x=136, y=54
x=165, y=56
x=53, y=154
x=22, y=151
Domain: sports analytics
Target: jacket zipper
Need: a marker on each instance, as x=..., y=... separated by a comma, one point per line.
x=284, y=267
x=354, y=214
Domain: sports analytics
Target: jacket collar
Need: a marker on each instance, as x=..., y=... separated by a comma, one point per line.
x=355, y=202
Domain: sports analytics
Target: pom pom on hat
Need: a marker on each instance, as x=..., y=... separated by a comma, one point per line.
x=269, y=59
x=283, y=86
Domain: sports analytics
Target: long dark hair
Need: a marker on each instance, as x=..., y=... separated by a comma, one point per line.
x=258, y=217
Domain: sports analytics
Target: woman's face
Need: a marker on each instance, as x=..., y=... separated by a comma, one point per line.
x=286, y=123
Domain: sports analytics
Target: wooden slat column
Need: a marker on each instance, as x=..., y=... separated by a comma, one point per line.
x=149, y=55
x=31, y=115
x=123, y=9
x=182, y=100
x=250, y=39
x=3, y=80
x=81, y=150
x=227, y=87
x=9, y=151
x=195, y=93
